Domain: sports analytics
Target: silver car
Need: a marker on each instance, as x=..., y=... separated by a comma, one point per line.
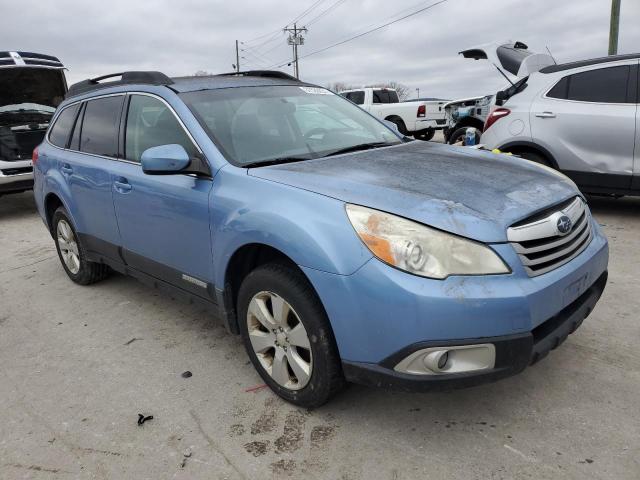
x=579, y=118
x=31, y=87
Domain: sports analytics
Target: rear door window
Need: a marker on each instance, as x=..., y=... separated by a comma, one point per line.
x=61, y=130
x=604, y=85
x=151, y=123
x=356, y=97
x=381, y=96
x=99, y=133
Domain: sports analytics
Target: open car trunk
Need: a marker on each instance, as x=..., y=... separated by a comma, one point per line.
x=513, y=58
x=29, y=96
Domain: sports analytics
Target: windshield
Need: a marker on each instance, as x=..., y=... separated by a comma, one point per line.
x=254, y=125
x=31, y=90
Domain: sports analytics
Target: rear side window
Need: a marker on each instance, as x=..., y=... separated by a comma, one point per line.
x=99, y=133
x=61, y=130
x=150, y=123
x=381, y=96
x=604, y=85
x=355, y=97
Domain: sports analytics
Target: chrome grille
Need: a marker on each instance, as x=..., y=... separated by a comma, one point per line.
x=540, y=244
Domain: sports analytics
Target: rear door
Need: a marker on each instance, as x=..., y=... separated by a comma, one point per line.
x=587, y=121
x=92, y=151
x=163, y=219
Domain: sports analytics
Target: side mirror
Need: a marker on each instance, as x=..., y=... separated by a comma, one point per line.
x=164, y=160
x=392, y=126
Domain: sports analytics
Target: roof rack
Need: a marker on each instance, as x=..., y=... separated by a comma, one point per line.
x=126, y=78
x=260, y=73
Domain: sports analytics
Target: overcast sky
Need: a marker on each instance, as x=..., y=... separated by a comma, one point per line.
x=181, y=37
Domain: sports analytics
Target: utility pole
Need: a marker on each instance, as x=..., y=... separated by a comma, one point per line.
x=295, y=39
x=613, y=28
x=237, y=65
x=418, y=90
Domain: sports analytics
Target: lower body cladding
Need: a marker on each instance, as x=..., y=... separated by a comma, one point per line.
x=399, y=331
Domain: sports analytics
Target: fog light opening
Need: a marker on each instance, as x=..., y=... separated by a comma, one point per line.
x=442, y=361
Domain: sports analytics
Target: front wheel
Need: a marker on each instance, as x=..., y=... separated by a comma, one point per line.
x=287, y=335
x=72, y=255
x=459, y=134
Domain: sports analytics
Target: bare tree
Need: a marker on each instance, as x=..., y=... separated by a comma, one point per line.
x=202, y=73
x=339, y=86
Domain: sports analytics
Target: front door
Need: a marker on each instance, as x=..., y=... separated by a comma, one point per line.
x=163, y=219
x=587, y=120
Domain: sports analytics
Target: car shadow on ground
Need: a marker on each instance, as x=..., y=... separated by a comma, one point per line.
x=624, y=206
x=17, y=206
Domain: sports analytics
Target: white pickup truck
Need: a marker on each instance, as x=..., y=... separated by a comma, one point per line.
x=417, y=118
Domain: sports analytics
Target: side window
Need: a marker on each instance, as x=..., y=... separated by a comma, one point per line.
x=560, y=89
x=150, y=123
x=393, y=96
x=356, y=97
x=604, y=85
x=380, y=96
x=61, y=130
x=99, y=133
x=75, y=137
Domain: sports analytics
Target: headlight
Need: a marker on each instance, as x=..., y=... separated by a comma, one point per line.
x=419, y=249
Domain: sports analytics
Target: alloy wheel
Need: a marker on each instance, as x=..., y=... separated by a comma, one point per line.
x=68, y=246
x=279, y=340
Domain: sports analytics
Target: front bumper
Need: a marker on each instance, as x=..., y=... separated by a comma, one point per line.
x=513, y=353
x=15, y=176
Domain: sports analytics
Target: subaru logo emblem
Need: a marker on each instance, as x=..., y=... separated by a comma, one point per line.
x=564, y=225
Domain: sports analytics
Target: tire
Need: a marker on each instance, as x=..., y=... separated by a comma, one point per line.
x=425, y=135
x=270, y=286
x=459, y=134
x=535, y=157
x=79, y=269
x=402, y=128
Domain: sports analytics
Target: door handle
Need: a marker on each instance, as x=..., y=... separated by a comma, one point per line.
x=546, y=115
x=66, y=169
x=122, y=185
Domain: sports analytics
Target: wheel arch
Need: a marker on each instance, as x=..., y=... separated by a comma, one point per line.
x=243, y=261
x=523, y=146
x=52, y=202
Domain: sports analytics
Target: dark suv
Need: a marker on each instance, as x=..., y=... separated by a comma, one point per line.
x=32, y=85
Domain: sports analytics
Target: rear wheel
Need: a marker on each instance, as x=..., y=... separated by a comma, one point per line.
x=402, y=128
x=72, y=254
x=287, y=335
x=425, y=135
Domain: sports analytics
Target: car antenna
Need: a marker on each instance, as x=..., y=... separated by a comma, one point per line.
x=503, y=74
x=551, y=54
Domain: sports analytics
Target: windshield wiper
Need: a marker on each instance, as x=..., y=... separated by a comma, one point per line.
x=359, y=147
x=274, y=161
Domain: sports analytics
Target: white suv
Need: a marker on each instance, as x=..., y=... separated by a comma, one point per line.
x=579, y=118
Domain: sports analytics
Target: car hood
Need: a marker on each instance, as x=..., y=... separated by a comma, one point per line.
x=460, y=190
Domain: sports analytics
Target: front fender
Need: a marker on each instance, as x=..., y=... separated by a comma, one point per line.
x=311, y=229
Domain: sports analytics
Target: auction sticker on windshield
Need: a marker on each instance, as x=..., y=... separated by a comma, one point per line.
x=316, y=91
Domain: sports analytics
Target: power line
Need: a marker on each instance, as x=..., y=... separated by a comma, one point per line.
x=324, y=12
x=379, y=27
x=306, y=12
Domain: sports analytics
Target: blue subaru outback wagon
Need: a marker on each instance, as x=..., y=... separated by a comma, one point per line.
x=339, y=250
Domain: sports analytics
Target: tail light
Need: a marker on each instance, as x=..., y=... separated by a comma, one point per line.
x=422, y=111
x=34, y=156
x=494, y=116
